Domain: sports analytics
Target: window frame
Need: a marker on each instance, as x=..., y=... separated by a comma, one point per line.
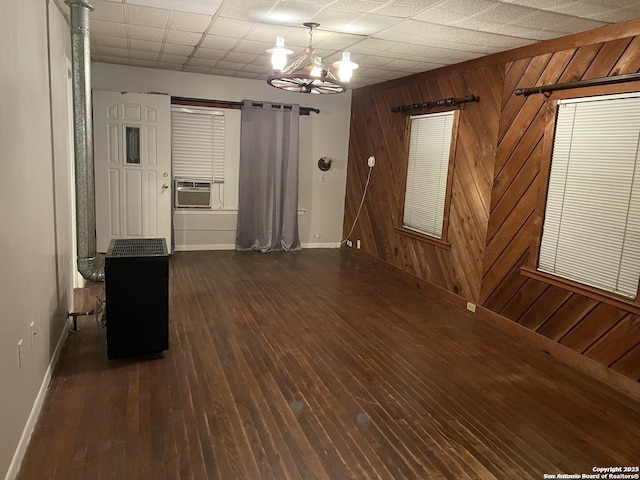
x=415, y=234
x=530, y=270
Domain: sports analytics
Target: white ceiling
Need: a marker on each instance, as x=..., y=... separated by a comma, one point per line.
x=387, y=38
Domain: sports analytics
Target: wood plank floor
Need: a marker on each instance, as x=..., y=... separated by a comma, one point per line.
x=317, y=365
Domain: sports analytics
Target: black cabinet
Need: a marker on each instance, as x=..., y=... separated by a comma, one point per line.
x=137, y=297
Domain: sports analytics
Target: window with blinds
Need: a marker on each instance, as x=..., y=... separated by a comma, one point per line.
x=427, y=173
x=591, y=231
x=198, y=143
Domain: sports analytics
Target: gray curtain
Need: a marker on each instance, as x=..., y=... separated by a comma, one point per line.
x=268, y=179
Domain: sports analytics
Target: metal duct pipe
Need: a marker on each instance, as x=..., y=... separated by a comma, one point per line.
x=83, y=141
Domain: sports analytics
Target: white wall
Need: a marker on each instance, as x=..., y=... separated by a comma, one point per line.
x=34, y=254
x=321, y=135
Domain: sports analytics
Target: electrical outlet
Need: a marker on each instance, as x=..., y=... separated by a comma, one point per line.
x=349, y=243
x=371, y=161
x=358, y=243
x=471, y=307
x=20, y=353
x=32, y=333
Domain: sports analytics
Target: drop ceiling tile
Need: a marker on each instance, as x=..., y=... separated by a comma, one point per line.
x=145, y=46
x=107, y=11
x=221, y=72
x=140, y=32
x=114, y=52
x=175, y=59
x=402, y=11
x=293, y=36
x=542, y=20
x=190, y=22
x=544, y=4
x=524, y=32
x=143, y=63
x=142, y=55
x=150, y=17
x=361, y=6
x=292, y=13
x=426, y=66
x=183, y=38
x=371, y=61
x=335, y=19
x=118, y=60
x=505, y=13
x=372, y=46
x=202, y=62
x=502, y=42
x=169, y=66
x=209, y=53
x=231, y=12
x=576, y=25
x=466, y=7
x=205, y=7
x=177, y=49
x=405, y=49
x=196, y=69
x=240, y=57
x=443, y=17
x=231, y=28
x=234, y=66
x=219, y=43
x=252, y=46
x=585, y=9
x=109, y=41
x=335, y=41
x=369, y=24
x=100, y=27
x=474, y=23
x=253, y=68
x=615, y=16
x=402, y=64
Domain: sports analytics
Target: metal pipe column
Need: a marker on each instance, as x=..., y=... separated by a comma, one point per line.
x=83, y=141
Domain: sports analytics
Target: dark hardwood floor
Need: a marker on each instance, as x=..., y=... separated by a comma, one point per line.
x=317, y=365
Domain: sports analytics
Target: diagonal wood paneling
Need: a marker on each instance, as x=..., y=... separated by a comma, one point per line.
x=600, y=331
x=499, y=177
x=375, y=130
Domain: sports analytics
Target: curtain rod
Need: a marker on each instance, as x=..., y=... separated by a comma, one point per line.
x=199, y=102
x=443, y=102
x=629, y=77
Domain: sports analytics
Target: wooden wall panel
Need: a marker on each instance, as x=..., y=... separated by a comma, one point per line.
x=499, y=177
x=580, y=323
x=375, y=130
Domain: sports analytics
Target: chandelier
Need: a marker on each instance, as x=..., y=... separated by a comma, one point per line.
x=308, y=74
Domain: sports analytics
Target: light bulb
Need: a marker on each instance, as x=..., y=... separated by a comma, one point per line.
x=316, y=69
x=279, y=55
x=345, y=67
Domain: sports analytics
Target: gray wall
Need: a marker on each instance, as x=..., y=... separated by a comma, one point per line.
x=35, y=249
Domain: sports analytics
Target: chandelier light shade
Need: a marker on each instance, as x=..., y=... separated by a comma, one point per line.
x=307, y=74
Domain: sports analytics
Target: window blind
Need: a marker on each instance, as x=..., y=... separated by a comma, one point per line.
x=591, y=231
x=198, y=144
x=427, y=170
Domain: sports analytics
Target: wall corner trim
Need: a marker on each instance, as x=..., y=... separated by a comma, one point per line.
x=21, y=449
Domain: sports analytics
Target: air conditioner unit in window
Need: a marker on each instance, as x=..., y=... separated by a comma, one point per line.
x=192, y=193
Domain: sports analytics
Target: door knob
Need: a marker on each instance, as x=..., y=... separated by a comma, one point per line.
x=165, y=185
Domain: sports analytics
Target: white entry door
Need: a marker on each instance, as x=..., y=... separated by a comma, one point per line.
x=132, y=151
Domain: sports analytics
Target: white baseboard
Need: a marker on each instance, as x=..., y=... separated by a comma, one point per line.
x=321, y=245
x=194, y=248
x=18, y=456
